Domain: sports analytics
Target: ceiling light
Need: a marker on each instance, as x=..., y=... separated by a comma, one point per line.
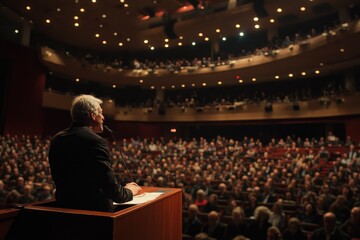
x=172, y=86
x=302, y=9
x=166, y=45
x=204, y=84
x=183, y=85
x=193, y=43
x=77, y=79
x=126, y=5
x=277, y=77
x=152, y=48
x=100, y=26
x=76, y=24
x=47, y=21
x=104, y=42
x=141, y=81
x=82, y=10
x=253, y=79
x=58, y=9
x=217, y=30
x=152, y=87
x=128, y=39
x=224, y=39
x=241, y=81
x=28, y=8
x=181, y=37
x=206, y=39
x=237, y=25
x=166, y=40
x=291, y=75
x=122, y=1
x=76, y=17
x=104, y=16
x=303, y=73
x=121, y=44
x=201, y=34
x=162, y=87
x=317, y=72
x=272, y=20
x=16, y=31
x=241, y=34
x=342, y=50
x=219, y=82
x=146, y=41
x=94, y=1
x=115, y=33
x=257, y=26
x=180, y=43
x=256, y=19
x=193, y=84
x=279, y=10
x=114, y=86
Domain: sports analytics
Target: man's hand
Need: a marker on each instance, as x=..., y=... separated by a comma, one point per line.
x=134, y=188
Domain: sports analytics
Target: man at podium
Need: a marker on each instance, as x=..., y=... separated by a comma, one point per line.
x=80, y=163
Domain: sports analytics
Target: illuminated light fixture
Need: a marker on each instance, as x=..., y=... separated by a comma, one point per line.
x=146, y=41
x=126, y=5
x=114, y=86
x=201, y=34
x=183, y=85
x=82, y=10
x=204, y=84
x=94, y=1
x=193, y=43
x=217, y=30
x=122, y=1
x=206, y=39
x=237, y=25
x=219, y=82
x=317, y=72
x=166, y=40
x=172, y=86
x=28, y=8
x=115, y=33
x=272, y=20
x=256, y=19
x=279, y=10
x=76, y=17
x=47, y=21
x=104, y=16
x=141, y=81
x=193, y=84
x=77, y=80
x=100, y=26
x=181, y=37
x=277, y=77
x=303, y=9
x=128, y=39
x=166, y=45
x=241, y=34
x=224, y=39
x=162, y=87
x=16, y=31
x=342, y=50
x=121, y=44
x=180, y=43
x=257, y=26
x=110, y=101
x=58, y=9
x=76, y=24
x=173, y=130
x=104, y=42
x=321, y=64
x=253, y=79
x=241, y=81
x=291, y=75
x=152, y=87
x=152, y=48
x=303, y=73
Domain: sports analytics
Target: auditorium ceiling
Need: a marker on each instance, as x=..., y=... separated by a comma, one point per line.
x=117, y=25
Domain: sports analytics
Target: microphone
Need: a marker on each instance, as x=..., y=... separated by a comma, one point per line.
x=117, y=148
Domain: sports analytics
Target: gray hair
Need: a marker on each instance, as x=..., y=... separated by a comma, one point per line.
x=82, y=106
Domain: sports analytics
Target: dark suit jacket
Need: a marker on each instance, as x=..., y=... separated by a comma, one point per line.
x=81, y=170
x=219, y=232
x=319, y=234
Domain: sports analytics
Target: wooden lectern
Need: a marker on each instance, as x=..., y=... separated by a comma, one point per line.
x=159, y=219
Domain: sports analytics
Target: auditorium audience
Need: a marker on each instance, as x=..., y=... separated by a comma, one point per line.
x=191, y=223
x=214, y=227
x=294, y=231
x=329, y=231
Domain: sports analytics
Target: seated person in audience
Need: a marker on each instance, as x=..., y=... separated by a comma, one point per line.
x=251, y=205
x=3, y=193
x=27, y=197
x=214, y=227
x=238, y=225
x=222, y=194
x=45, y=193
x=277, y=216
x=268, y=196
x=330, y=231
x=294, y=231
x=340, y=208
x=352, y=225
x=273, y=233
x=200, y=200
x=258, y=228
x=212, y=204
x=308, y=214
x=240, y=237
x=192, y=224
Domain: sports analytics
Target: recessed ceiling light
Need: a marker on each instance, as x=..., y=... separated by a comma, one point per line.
x=76, y=24
x=152, y=47
x=291, y=75
x=303, y=73
x=77, y=79
x=162, y=87
x=94, y=1
x=302, y=9
x=121, y=44
x=241, y=34
x=217, y=30
x=257, y=26
x=114, y=86
x=277, y=77
x=342, y=50
x=82, y=9
x=28, y=8
x=58, y=9
x=126, y=5
x=115, y=33
x=166, y=40
x=219, y=82
x=272, y=20
x=256, y=19
x=166, y=45
x=317, y=72
x=253, y=79
x=241, y=81
x=201, y=34
x=146, y=41
x=279, y=10
x=97, y=35
x=206, y=39
x=182, y=85
x=172, y=86
x=204, y=84
x=104, y=42
x=224, y=39
x=128, y=39
x=237, y=25
x=180, y=43
x=193, y=84
x=101, y=26
x=181, y=37
x=16, y=31
x=76, y=17
x=193, y=43
x=47, y=21
x=141, y=81
x=104, y=16
x=152, y=87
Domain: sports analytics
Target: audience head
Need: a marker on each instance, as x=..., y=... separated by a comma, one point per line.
x=193, y=210
x=329, y=222
x=238, y=214
x=273, y=233
x=201, y=236
x=355, y=215
x=294, y=225
x=262, y=214
x=213, y=218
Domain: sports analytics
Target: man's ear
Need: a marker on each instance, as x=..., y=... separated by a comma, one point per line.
x=92, y=116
